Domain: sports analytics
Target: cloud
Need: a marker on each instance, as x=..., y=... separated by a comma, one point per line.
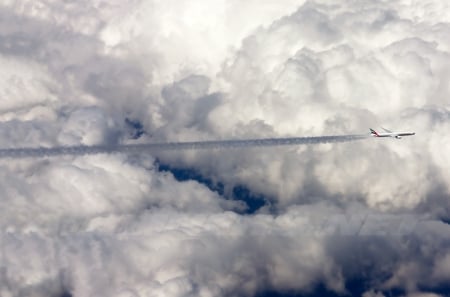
x=221, y=254
x=87, y=72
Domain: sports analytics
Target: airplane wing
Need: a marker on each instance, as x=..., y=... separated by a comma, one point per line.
x=388, y=131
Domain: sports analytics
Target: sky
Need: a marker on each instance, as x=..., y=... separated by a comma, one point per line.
x=363, y=218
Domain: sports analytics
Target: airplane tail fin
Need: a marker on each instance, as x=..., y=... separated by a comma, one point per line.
x=373, y=132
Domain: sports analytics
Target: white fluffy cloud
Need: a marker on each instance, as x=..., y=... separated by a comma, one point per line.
x=79, y=72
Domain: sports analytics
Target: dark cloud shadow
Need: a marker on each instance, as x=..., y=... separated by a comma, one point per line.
x=253, y=201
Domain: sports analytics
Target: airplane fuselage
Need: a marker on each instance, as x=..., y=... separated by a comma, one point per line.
x=397, y=135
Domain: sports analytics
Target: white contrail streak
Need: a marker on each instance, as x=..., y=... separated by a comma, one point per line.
x=172, y=146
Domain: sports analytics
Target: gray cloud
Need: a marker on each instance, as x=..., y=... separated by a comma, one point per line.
x=221, y=254
x=112, y=224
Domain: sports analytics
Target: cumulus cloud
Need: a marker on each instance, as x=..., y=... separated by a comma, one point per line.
x=89, y=72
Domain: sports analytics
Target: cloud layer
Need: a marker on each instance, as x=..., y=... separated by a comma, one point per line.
x=107, y=73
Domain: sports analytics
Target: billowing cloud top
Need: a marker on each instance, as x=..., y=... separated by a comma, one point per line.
x=373, y=213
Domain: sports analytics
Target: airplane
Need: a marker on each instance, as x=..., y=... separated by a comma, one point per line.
x=388, y=133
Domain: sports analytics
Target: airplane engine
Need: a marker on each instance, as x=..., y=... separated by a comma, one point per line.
x=398, y=137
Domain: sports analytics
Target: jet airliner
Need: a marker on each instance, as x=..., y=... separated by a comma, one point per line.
x=388, y=133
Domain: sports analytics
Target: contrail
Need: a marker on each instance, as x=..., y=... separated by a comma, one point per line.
x=25, y=152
